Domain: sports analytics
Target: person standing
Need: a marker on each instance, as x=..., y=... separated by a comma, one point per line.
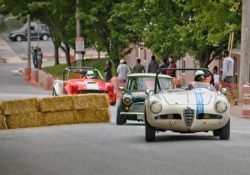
x=108, y=71
x=34, y=56
x=165, y=64
x=153, y=66
x=172, y=64
x=138, y=68
x=216, y=78
x=227, y=74
x=39, y=58
x=122, y=72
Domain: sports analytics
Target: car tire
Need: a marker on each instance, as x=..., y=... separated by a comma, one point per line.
x=19, y=38
x=120, y=119
x=149, y=131
x=113, y=103
x=45, y=37
x=223, y=133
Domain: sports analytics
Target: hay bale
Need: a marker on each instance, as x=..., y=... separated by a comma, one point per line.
x=103, y=115
x=20, y=106
x=1, y=108
x=86, y=101
x=2, y=125
x=25, y=120
x=92, y=115
x=82, y=101
x=59, y=118
x=59, y=103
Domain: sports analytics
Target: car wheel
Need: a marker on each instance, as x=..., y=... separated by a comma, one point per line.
x=113, y=103
x=45, y=37
x=223, y=133
x=120, y=119
x=18, y=38
x=54, y=92
x=149, y=131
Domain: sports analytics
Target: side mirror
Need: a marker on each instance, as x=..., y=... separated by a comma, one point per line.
x=148, y=92
x=223, y=91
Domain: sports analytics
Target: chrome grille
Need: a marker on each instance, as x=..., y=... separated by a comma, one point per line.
x=188, y=116
x=137, y=107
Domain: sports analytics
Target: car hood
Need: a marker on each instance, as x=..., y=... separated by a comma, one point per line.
x=192, y=98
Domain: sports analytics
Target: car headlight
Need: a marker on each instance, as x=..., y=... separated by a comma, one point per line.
x=220, y=106
x=156, y=107
x=127, y=100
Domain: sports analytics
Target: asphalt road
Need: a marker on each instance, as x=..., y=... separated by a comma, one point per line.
x=12, y=85
x=108, y=149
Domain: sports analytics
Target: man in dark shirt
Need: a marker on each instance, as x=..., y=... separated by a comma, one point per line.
x=153, y=65
x=138, y=68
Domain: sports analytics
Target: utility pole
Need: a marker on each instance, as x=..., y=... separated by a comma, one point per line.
x=28, y=50
x=79, y=40
x=245, y=45
x=27, y=70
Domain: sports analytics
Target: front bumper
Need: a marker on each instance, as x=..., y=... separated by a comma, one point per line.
x=134, y=112
x=180, y=121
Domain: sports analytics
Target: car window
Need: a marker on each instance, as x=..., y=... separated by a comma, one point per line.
x=144, y=83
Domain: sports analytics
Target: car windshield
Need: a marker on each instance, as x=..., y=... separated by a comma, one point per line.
x=79, y=73
x=144, y=83
x=191, y=79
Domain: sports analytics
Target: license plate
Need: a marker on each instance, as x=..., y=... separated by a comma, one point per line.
x=140, y=116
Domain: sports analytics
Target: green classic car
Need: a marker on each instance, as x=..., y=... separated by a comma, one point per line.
x=131, y=106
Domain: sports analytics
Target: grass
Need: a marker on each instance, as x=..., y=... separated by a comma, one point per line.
x=57, y=70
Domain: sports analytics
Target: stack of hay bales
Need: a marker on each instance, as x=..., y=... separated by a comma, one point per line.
x=2, y=118
x=32, y=112
x=22, y=113
x=91, y=108
x=57, y=110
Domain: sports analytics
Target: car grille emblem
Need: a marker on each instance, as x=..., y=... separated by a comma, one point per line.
x=188, y=116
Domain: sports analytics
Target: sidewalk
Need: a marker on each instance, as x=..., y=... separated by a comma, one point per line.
x=7, y=55
x=236, y=111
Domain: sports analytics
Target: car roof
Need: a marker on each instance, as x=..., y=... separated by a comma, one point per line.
x=148, y=75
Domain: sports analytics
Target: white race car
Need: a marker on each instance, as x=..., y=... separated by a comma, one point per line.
x=187, y=108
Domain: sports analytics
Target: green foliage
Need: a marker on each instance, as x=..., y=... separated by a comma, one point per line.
x=167, y=27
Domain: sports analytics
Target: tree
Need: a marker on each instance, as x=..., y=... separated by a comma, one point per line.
x=177, y=27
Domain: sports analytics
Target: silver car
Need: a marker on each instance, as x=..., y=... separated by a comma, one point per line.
x=189, y=107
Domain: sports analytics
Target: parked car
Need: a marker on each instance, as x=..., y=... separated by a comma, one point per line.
x=83, y=80
x=38, y=31
x=131, y=106
x=188, y=108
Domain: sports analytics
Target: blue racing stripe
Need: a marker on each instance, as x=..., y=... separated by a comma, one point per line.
x=201, y=101
x=197, y=102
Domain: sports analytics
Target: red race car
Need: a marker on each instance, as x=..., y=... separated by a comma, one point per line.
x=83, y=80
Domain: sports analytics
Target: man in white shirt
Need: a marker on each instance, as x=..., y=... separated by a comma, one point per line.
x=227, y=74
x=122, y=72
